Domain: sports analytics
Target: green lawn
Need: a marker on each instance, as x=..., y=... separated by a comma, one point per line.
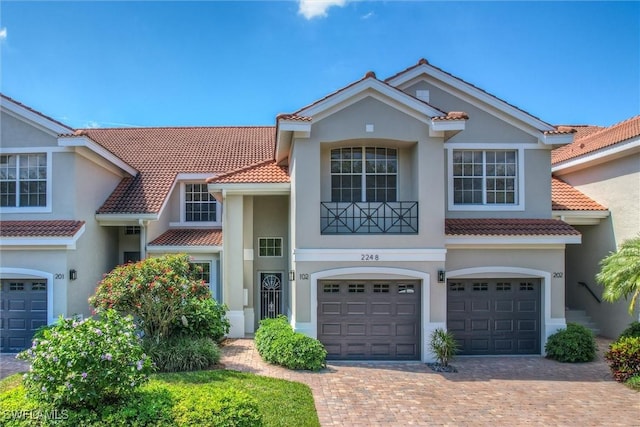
x=281, y=403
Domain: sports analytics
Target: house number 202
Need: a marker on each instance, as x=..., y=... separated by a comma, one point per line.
x=558, y=274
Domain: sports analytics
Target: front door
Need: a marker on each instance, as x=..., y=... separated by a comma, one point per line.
x=270, y=294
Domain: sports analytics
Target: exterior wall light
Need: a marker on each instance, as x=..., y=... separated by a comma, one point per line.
x=441, y=276
x=292, y=275
x=73, y=274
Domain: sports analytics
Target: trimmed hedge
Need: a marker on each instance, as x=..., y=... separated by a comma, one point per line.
x=624, y=358
x=573, y=344
x=212, y=406
x=632, y=331
x=277, y=343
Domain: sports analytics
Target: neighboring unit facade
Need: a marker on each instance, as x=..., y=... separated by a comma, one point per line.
x=369, y=218
x=604, y=164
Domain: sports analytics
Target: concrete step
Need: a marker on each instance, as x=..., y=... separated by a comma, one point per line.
x=581, y=318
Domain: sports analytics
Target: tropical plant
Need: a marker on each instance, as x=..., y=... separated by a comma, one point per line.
x=624, y=358
x=620, y=273
x=86, y=363
x=443, y=345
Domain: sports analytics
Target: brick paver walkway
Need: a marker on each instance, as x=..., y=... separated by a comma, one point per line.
x=496, y=391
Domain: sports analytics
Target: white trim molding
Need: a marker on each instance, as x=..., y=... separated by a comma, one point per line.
x=549, y=324
x=369, y=255
x=580, y=217
x=48, y=208
x=483, y=241
x=30, y=116
x=94, y=147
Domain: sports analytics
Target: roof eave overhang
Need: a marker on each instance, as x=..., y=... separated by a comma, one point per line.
x=42, y=242
x=557, y=139
x=572, y=217
x=123, y=219
x=482, y=241
x=25, y=114
x=199, y=249
x=283, y=188
x=90, y=149
x=287, y=130
x=603, y=155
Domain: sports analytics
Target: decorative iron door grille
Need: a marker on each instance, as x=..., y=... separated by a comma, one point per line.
x=270, y=295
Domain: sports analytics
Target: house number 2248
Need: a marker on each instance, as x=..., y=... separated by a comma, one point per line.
x=369, y=257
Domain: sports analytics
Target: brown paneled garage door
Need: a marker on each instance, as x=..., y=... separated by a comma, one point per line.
x=369, y=319
x=23, y=309
x=499, y=316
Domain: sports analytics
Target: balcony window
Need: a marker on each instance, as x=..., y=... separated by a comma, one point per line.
x=364, y=174
x=200, y=206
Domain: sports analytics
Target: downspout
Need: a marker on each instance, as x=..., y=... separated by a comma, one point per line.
x=143, y=237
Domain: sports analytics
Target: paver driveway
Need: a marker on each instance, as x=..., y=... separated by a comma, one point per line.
x=497, y=391
x=504, y=391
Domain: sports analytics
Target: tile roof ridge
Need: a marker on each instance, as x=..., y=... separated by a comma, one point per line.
x=241, y=169
x=8, y=98
x=611, y=128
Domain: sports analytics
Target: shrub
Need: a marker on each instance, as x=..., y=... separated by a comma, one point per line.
x=632, y=331
x=443, y=345
x=624, y=358
x=634, y=382
x=182, y=353
x=212, y=406
x=202, y=319
x=278, y=343
x=573, y=344
x=154, y=290
x=86, y=363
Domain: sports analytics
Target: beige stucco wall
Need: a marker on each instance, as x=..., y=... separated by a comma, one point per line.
x=392, y=128
x=17, y=133
x=616, y=185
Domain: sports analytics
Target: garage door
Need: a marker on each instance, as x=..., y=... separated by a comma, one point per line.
x=369, y=320
x=23, y=309
x=500, y=316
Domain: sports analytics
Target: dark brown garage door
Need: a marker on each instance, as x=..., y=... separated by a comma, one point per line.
x=500, y=316
x=23, y=309
x=369, y=320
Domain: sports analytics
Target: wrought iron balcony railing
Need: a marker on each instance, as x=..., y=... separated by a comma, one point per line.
x=369, y=217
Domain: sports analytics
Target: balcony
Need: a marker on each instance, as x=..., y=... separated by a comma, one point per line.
x=369, y=217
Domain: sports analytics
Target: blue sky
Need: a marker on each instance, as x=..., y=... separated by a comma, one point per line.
x=241, y=63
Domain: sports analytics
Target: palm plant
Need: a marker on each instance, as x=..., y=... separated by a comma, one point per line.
x=443, y=345
x=620, y=273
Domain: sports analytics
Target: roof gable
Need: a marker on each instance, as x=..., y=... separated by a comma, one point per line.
x=479, y=97
x=21, y=111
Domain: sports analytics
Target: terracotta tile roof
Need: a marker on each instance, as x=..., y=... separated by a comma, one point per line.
x=507, y=227
x=566, y=198
x=263, y=172
x=560, y=130
x=592, y=140
x=584, y=130
x=159, y=154
x=452, y=115
x=36, y=112
x=189, y=237
x=423, y=61
x=51, y=228
x=294, y=117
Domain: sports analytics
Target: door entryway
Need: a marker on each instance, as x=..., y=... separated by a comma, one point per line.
x=270, y=294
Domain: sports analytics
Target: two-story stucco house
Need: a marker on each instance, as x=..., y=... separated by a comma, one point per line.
x=604, y=164
x=369, y=217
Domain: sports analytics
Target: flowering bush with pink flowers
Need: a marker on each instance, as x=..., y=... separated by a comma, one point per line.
x=86, y=363
x=157, y=291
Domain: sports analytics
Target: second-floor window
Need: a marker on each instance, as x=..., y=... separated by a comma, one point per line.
x=23, y=180
x=200, y=205
x=485, y=177
x=364, y=174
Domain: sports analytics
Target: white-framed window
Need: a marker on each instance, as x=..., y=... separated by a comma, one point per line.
x=131, y=230
x=364, y=174
x=24, y=181
x=198, y=208
x=205, y=270
x=485, y=179
x=270, y=246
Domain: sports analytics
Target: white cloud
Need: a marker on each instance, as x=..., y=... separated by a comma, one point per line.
x=317, y=8
x=3, y=33
x=92, y=124
x=368, y=15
